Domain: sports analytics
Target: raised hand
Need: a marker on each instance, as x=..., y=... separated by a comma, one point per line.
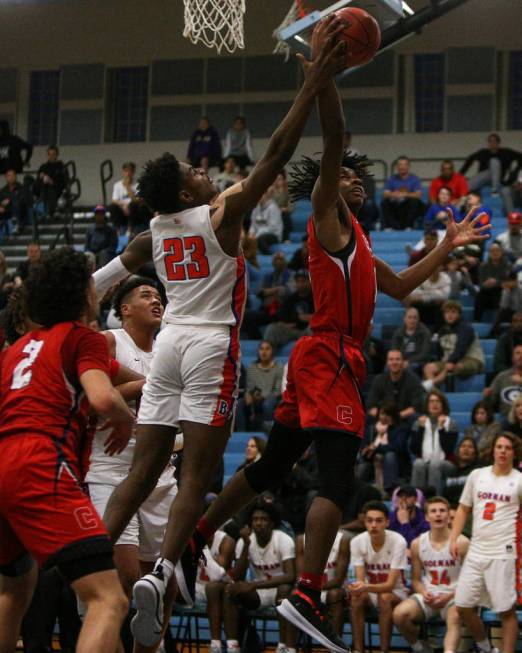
x=329, y=54
x=467, y=231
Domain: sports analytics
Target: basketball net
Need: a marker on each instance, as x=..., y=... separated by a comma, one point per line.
x=297, y=11
x=215, y=23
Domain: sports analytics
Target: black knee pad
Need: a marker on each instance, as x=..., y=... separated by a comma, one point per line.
x=18, y=567
x=83, y=558
x=284, y=447
x=336, y=458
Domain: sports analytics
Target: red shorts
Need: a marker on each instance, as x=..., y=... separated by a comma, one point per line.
x=321, y=391
x=42, y=507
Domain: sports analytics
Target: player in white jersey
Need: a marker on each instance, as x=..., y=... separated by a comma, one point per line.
x=488, y=576
x=211, y=581
x=137, y=303
x=195, y=245
x=332, y=594
x=270, y=555
x=379, y=559
x=434, y=580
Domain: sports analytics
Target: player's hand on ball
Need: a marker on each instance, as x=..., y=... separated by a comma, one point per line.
x=330, y=60
x=325, y=29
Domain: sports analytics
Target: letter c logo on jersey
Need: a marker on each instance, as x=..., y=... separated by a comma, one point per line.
x=86, y=518
x=344, y=414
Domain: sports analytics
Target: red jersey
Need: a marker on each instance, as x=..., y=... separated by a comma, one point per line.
x=40, y=390
x=344, y=285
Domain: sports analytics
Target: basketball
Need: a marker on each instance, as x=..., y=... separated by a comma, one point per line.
x=363, y=35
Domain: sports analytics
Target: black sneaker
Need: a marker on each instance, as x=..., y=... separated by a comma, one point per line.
x=311, y=618
x=186, y=569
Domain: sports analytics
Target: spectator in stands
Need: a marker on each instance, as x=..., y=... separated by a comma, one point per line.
x=397, y=385
x=407, y=517
x=466, y=460
x=513, y=422
x=6, y=281
x=15, y=203
x=495, y=166
x=238, y=143
x=401, y=205
x=448, y=178
x=507, y=385
x=227, y=177
x=263, y=390
x=483, y=426
x=276, y=286
x=374, y=352
x=11, y=148
x=383, y=449
x=379, y=558
x=34, y=253
x=430, y=241
x=458, y=272
x=266, y=223
x=270, y=555
x=123, y=194
x=294, y=315
x=51, y=181
x=299, y=260
x=492, y=273
x=506, y=343
x=204, y=149
x=281, y=197
x=429, y=297
x=459, y=349
x=436, y=216
x=101, y=239
x=433, y=440
x=413, y=340
x=511, y=240
x=253, y=452
x=516, y=194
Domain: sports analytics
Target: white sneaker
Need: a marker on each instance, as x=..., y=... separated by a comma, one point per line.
x=148, y=594
x=214, y=648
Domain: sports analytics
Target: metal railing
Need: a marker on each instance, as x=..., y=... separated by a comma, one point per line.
x=106, y=174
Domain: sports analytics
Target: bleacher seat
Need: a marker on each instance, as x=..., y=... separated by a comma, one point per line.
x=463, y=401
x=476, y=383
x=488, y=346
x=462, y=418
x=232, y=462
x=249, y=348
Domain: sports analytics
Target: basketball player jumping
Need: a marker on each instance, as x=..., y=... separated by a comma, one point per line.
x=322, y=402
x=194, y=242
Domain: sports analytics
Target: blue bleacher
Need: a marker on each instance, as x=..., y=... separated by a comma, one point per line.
x=476, y=383
x=463, y=401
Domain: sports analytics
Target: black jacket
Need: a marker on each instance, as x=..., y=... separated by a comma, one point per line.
x=11, y=150
x=506, y=157
x=448, y=440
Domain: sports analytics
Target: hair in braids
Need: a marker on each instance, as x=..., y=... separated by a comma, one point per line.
x=305, y=173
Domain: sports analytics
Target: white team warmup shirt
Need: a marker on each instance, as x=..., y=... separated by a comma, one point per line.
x=266, y=562
x=496, y=503
x=204, y=286
x=440, y=570
x=121, y=194
x=378, y=564
x=113, y=469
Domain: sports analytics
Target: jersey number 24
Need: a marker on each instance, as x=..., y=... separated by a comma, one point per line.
x=176, y=249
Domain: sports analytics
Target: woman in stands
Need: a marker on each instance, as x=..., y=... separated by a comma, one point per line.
x=467, y=459
x=254, y=450
x=433, y=439
x=513, y=424
x=483, y=427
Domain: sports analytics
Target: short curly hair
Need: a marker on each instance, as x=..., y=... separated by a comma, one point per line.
x=13, y=317
x=125, y=288
x=159, y=184
x=56, y=287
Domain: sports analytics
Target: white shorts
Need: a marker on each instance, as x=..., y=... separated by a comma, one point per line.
x=267, y=597
x=399, y=593
x=201, y=596
x=429, y=612
x=488, y=582
x=146, y=529
x=194, y=376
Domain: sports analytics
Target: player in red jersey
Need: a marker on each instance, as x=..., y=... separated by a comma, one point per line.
x=48, y=379
x=322, y=402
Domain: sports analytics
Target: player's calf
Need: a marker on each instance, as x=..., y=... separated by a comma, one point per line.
x=16, y=592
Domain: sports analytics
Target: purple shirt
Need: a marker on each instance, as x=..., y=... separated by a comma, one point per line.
x=411, y=529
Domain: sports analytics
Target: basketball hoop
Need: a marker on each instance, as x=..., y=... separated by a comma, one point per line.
x=297, y=11
x=215, y=23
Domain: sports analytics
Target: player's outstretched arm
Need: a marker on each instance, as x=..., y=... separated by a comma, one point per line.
x=330, y=61
x=137, y=253
x=401, y=285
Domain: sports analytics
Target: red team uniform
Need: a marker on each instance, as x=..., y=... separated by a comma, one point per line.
x=43, y=419
x=327, y=369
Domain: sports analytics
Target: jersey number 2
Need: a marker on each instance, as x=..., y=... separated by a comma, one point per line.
x=22, y=373
x=175, y=250
x=489, y=511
